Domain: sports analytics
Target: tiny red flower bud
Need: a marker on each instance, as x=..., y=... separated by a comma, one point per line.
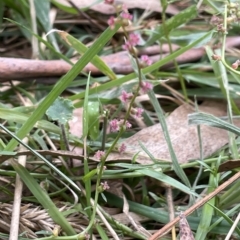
x=216, y=57
x=234, y=66
x=99, y=154
x=122, y=148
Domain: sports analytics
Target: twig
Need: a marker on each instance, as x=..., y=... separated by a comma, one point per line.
x=195, y=206
x=17, y=199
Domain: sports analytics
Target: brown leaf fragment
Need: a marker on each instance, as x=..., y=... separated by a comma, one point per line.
x=185, y=230
x=184, y=138
x=229, y=165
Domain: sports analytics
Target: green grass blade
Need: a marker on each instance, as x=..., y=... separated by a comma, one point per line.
x=85, y=122
x=176, y=166
x=101, y=232
x=96, y=61
x=61, y=85
x=166, y=179
x=18, y=117
x=182, y=18
x=43, y=198
x=41, y=40
x=210, y=120
x=207, y=212
x=146, y=70
x=55, y=169
x=85, y=109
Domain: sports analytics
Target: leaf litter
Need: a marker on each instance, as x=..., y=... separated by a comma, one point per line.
x=184, y=138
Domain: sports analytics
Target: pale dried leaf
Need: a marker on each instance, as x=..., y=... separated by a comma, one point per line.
x=184, y=138
x=151, y=5
x=139, y=228
x=34, y=219
x=75, y=128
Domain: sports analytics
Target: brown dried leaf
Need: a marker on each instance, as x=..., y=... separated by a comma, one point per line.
x=229, y=165
x=184, y=138
x=151, y=5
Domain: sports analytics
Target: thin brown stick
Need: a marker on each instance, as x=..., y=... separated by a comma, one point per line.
x=195, y=206
x=16, y=210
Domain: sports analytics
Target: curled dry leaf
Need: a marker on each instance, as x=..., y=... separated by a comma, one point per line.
x=184, y=138
x=151, y=5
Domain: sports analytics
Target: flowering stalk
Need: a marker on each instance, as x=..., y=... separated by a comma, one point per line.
x=120, y=126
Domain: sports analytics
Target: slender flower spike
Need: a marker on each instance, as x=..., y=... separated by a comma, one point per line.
x=146, y=60
x=122, y=148
x=146, y=86
x=114, y=125
x=125, y=96
x=111, y=22
x=99, y=154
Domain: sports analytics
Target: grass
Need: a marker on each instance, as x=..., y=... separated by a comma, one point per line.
x=73, y=201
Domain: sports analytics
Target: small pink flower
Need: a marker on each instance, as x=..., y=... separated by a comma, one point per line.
x=114, y=125
x=111, y=22
x=134, y=39
x=122, y=148
x=139, y=112
x=125, y=96
x=127, y=46
x=236, y=64
x=99, y=154
x=216, y=57
x=126, y=15
x=146, y=86
x=146, y=60
x=128, y=124
x=105, y=185
x=109, y=2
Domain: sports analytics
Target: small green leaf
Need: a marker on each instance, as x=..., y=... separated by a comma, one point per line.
x=61, y=110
